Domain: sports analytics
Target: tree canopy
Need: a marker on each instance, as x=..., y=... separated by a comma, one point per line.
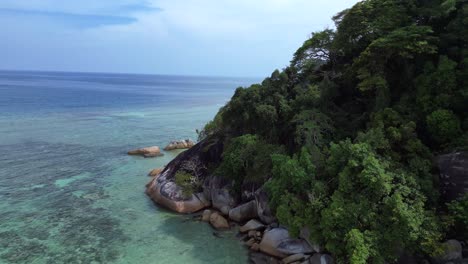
x=344, y=136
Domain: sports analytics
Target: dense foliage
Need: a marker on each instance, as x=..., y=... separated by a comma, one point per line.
x=344, y=136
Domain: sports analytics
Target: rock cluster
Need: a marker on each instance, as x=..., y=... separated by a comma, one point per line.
x=179, y=144
x=147, y=152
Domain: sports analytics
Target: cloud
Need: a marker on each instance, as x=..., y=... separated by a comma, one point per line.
x=70, y=19
x=201, y=37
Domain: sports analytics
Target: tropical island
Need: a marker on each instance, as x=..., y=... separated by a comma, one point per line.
x=354, y=153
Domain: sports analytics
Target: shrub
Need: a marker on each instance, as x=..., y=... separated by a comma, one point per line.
x=187, y=182
x=247, y=159
x=443, y=126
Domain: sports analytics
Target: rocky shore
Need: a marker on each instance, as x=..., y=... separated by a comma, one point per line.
x=258, y=228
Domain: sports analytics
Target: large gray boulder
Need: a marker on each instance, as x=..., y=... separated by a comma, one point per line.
x=263, y=208
x=244, y=212
x=277, y=242
x=272, y=239
x=252, y=225
x=321, y=259
x=167, y=194
x=164, y=191
x=452, y=252
x=218, y=191
x=453, y=169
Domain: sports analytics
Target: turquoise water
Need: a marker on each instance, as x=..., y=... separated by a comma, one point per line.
x=68, y=191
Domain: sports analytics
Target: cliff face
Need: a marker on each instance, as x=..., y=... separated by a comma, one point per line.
x=453, y=175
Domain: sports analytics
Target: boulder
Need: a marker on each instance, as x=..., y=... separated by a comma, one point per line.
x=294, y=258
x=321, y=259
x=179, y=144
x=218, y=191
x=206, y=215
x=276, y=242
x=255, y=247
x=453, y=177
x=147, y=152
x=263, y=208
x=272, y=239
x=166, y=193
x=294, y=246
x=244, y=212
x=163, y=190
x=260, y=258
x=452, y=251
x=250, y=242
x=218, y=221
x=305, y=234
x=252, y=225
x=155, y=172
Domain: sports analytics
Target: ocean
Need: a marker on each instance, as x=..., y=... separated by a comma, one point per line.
x=68, y=191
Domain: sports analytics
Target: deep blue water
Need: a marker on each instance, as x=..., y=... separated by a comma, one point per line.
x=68, y=191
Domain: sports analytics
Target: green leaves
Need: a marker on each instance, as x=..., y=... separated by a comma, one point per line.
x=344, y=137
x=443, y=125
x=246, y=159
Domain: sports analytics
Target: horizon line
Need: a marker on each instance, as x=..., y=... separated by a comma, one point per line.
x=133, y=73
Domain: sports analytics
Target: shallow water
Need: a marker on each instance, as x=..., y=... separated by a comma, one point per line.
x=68, y=191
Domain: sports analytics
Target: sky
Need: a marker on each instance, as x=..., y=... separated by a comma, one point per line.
x=245, y=38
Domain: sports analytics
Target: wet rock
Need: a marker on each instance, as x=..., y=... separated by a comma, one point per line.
x=252, y=225
x=250, y=242
x=244, y=212
x=452, y=251
x=206, y=216
x=294, y=258
x=321, y=259
x=251, y=233
x=146, y=152
x=260, y=258
x=155, y=172
x=168, y=194
x=218, y=221
x=255, y=247
x=179, y=144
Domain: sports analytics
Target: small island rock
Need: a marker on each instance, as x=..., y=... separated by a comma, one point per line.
x=147, y=152
x=179, y=144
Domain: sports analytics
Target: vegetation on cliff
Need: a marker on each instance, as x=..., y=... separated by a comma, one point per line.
x=344, y=136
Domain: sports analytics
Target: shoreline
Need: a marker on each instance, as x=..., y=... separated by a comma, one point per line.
x=258, y=230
